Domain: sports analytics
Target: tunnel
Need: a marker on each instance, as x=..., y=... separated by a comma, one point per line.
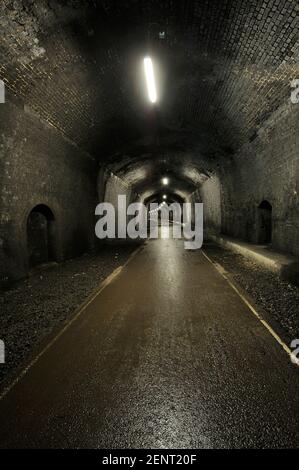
x=149, y=230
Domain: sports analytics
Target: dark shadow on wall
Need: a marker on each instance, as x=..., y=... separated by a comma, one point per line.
x=264, y=223
x=41, y=236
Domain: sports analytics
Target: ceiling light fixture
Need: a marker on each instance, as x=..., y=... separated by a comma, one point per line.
x=165, y=181
x=150, y=79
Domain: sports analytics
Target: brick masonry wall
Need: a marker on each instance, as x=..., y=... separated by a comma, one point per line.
x=61, y=59
x=211, y=197
x=266, y=169
x=117, y=187
x=209, y=193
x=38, y=165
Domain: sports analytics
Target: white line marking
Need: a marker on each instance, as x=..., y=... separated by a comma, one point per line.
x=223, y=273
x=81, y=309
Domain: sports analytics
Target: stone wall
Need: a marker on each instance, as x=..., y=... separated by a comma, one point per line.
x=211, y=197
x=110, y=187
x=38, y=165
x=266, y=169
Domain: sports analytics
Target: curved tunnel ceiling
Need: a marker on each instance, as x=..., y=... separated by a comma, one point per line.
x=144, y=165
x=157, y=198
x=220, y=73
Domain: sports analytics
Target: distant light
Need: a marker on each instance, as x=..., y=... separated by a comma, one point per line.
x=164, y=196
x=165, y=181
x=150, y=79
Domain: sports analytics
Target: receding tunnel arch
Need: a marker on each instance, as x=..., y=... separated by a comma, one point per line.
x=78, y=128
x=144, y=163
x=173, y=208
x=85, y=62
x=158, y=198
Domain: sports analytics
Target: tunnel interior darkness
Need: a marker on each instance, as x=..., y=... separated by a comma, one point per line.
x=77, y=126
x=40, y=235
x=142, y=339
x=154, y=205
x=265, y=222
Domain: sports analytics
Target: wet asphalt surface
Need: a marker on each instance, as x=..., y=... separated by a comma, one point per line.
x=166, y=356
x=32, y=308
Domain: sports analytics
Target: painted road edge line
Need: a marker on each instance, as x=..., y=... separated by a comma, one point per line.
x=106, y=282
x=224, y=273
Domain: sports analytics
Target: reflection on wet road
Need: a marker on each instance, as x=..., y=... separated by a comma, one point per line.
x=167, y=355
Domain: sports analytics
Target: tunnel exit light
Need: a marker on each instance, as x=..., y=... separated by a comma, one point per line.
x=165, y=181
x=164, y=196
x=150, y=79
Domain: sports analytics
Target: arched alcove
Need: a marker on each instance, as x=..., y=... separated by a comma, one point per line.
x=41, y=236
x=264, y=223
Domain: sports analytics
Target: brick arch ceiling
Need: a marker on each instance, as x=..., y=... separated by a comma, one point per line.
x=222, y=68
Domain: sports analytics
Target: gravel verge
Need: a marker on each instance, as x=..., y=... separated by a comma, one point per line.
x=33, y=308
x=278, y=298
